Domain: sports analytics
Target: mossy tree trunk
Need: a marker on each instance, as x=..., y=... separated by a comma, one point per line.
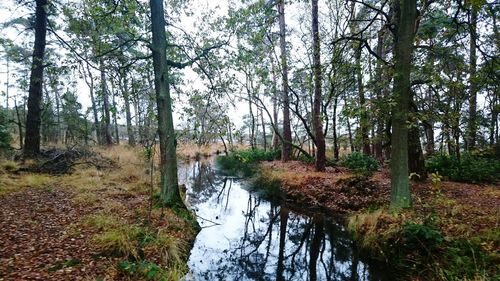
x=170, y=194
x=405, y=13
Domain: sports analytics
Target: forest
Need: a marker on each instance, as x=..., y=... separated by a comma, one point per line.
x=249, y=140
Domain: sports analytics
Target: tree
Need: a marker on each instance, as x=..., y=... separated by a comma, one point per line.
x=317, y=122
x=472, y=130
x=33, y=119
x=168, y=159
x=286, y=149
x=405, y=14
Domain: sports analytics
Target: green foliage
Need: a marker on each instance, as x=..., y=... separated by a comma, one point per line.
x=472, y=167
x=5, y=137
x=244, y=162
x=465, y=258
x=423, y=238
x=361, y=163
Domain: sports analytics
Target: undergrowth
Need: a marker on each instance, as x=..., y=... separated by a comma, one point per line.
x=360, y=163
x=474, y=167
x=244, y=163
x=416, y=247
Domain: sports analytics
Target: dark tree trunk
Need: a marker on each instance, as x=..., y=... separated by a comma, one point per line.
x=19, y=125
x=405, y=12
x=33, y=119
x=108, y=140
x=275, y=140
x=263, y=128
x=380, y=136
x=334, y=129
x=472, y=130
x=168, y=159
x=128, y=115
x=286, y=152
x=318, y=126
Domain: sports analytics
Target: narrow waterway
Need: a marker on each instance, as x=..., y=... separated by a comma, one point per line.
x=245, y=237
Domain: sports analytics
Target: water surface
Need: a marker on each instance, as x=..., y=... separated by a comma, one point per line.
x=245, y=237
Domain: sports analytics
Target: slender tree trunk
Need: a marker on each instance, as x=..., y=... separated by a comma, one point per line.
x=275, y=140
x=128, y=115
x=263, y=129
x=286, y=152
x=405, y=19
x=349, y=131
x=252, y=116
x=363, y=118
x=317, y=122
x=90, y=84
x=472, y=130
x=168, y=159
x=19, y=125
x=334, y=129
x=108, y=140
x=378, y=140
x=115, y=120
x=33, y=119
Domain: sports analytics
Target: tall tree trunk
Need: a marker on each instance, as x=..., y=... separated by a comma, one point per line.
x=349, y=131
x=251, y=128
x=286, y=151
x=114, y=111
x=276, y=139
x=128, y=115
x=168, y=159
x=90, y=84
x=334, y=129
x=33, y=119
x=108, y=140
x=263, y=128
x=363, y=118
x=472, y=130
x=378, y=140
x=19, y=124
x=405, y=12
x=317, y=122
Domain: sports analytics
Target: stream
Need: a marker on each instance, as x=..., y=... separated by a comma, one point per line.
x=245, y=237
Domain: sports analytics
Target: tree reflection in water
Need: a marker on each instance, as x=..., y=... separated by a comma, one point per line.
x=254, y=239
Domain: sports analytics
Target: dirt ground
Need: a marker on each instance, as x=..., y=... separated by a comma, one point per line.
x=44, y=229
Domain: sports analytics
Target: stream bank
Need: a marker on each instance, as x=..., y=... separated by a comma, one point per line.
x=450, y=233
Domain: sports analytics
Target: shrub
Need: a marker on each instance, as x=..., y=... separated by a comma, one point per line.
x=360, y=163
x=244, y=162
x=5, y=137
x=423, y=238
x=471, y=167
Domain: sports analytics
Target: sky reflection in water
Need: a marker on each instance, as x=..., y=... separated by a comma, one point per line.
x=245, y=237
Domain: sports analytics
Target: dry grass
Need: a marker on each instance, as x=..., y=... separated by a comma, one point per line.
x=191, y=150
x=373, y=228
x=296, y=173
x=16, y=182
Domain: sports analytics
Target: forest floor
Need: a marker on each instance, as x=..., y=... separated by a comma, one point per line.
x=92, y=224
x=457, y=210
